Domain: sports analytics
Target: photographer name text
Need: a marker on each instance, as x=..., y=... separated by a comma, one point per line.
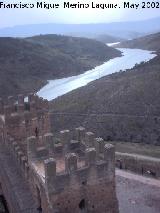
x=79, y=5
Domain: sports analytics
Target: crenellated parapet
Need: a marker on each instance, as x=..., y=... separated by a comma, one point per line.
x=62, y=163
x=67, y=141
x=19, y=155
x=21, y=103
x=80, y=133
x=66, y=171
x=78, y=171
x=69, y=165
x=25, y=116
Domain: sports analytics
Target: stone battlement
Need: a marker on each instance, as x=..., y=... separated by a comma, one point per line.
x=19, y=155
x=68, y=172
x=60, y=173
x=22, y=103
x=65, y=142
x=23, y=117
x=79, y=156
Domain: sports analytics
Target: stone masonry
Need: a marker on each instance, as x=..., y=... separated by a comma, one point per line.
x=71, y=172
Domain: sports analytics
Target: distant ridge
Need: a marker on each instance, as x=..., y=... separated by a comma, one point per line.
x=122, y=29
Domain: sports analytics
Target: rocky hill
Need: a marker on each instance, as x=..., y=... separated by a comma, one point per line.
x=122, y=106
x=27, y=64
x=134, y=92
x=124, y=92
x=149, y=42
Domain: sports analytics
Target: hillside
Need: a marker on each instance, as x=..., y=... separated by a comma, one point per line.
x=149, y=42
x=122, y=92
x=108, y=39
x=123, y=106
x=26, y=64
x=134, y=92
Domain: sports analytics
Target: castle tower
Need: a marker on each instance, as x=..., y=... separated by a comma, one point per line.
x=75, y=179
x=72, y=172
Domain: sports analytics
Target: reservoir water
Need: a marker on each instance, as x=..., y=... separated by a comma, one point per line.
x=129, y=58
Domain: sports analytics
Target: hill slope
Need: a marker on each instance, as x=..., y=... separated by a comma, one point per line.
x=122, y=106
x=149, y=42
x=121, y=92
x=134, y=92
x=108, y=39
x=26, y=64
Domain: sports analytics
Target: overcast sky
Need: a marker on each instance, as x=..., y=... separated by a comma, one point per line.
x=12, y=17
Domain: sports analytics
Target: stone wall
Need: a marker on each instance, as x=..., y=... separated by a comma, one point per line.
x=139, y=164
x=7, y=191
x=73, y=172
x=22, y=119
x=71, y=183
x=19, y=119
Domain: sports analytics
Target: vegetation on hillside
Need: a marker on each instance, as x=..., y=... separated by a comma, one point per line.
x=129, y=101
x=27, y=63
x=108, y=39
x=149, y=42
x=134, y=92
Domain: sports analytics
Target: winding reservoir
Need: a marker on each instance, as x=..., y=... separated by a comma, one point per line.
x=129, y=58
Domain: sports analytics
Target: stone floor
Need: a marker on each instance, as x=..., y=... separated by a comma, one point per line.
x=60, y=166
x=137, y=194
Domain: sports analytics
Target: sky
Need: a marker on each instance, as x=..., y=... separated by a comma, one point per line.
x=13, y=17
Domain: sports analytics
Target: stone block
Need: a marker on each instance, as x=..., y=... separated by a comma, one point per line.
x=74, y=144
x=109, y=157
x=90, y=156
x=20, y=154
x=32, y=107
x=58, y=148
x=26, y=171
x=65, y=137
x=23, y=162
x=49, y=142
x=42, y=152
x=89, y=139
x=80, y=134
x=20, y=108
x=30, y=97
x=11, y=100
x=31, y=147
x=99, y=145
x=109, y=152
x=50, y=173
x=71, y=162
x=7, y=110
x=21, y=99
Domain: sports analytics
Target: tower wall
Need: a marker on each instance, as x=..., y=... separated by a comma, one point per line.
x=69, y=173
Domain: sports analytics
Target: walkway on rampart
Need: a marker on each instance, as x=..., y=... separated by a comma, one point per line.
x=14, y=185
